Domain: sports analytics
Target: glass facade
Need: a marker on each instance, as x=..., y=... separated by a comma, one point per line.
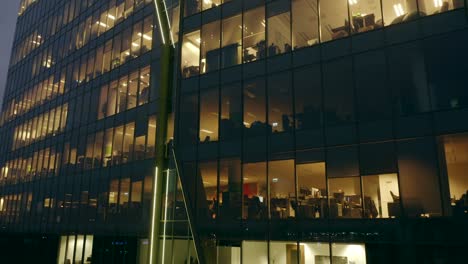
x=78, y=129
x=282, y=26
x=323, y=128
x=303, y=131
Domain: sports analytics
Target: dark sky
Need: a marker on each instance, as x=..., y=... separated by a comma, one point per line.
x=8, y=15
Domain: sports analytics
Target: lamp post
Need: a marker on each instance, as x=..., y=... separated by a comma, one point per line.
x=165, y=87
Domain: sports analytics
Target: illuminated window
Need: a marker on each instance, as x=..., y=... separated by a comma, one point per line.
x=231, y=52
x=255, y=107
x=279, y=27
x=209, y=107
x=147, y=34
x=348, y=253
x=231, y=112
x=254, y=44
x=132, y=90
x=365, y=15
x=229, y=189
x=208, y=206
x=381, y=196
x=122, y=94
x=455, y=161
x=280, y=112
x=210, y=47
x=282, y=189
x=305, y=25
x=136, y=39
x=191, y=54
x=125, y=54
x=151, y=144
x=107, y=148
x=396, y=11
x=128, y=142
x=124, y=193
x=334, y=20
x=117, y=145
x=103, y=104
x=254, y=252
x=255, y=200
x=311, y=190
x=143, y=92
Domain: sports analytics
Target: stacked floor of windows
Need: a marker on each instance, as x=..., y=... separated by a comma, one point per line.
x=103, y=19
x=281, y=26
x=301, y=131
x=292, y=153
x=54, y=80
x=79, y=135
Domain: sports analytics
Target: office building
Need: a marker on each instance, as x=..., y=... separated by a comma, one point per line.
x=299, y=131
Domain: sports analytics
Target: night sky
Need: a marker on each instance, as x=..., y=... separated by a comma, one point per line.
x=8, y=15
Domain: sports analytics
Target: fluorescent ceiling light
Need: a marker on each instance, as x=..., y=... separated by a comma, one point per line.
x=437, y=3
x=145, y=36
x=206, y=131
x=101, y=24
x=192, y=47
x=398, y=9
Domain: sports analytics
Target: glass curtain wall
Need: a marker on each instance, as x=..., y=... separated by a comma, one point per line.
x=285, y=25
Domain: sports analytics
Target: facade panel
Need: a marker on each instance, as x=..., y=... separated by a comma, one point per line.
x=300, y=131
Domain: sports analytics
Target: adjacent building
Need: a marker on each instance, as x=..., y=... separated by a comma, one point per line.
x=301, y=131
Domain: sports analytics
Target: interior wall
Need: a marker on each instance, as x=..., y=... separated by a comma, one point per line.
x=79, y=248
x=229, y=255
x=315, y=249
x=388, y=182
x=355, y=253
x=62, y=249
x=278, y=252
x=254, y=252
x=458, y=179
x=70, y=248
x=181, y=246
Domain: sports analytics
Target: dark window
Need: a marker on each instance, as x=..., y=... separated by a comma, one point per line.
x=407, y=79
x=308, y=98
x=338, y=89
x=446, y=78
x=188, y=121
x=209, y=114
x=373, y=97
x=419, y=181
